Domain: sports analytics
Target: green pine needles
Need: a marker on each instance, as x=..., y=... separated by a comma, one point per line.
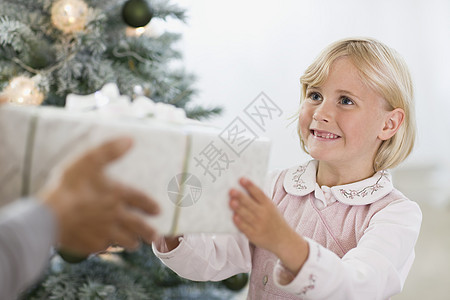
x=82, y=62
x=135, y=275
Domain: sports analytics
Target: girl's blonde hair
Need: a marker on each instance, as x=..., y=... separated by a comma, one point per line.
x=384, y=71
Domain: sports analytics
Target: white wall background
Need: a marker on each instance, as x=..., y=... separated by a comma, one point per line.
x=240, y=48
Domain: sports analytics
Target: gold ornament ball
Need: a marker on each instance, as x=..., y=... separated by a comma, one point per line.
x=24, y=91
x=69, y=16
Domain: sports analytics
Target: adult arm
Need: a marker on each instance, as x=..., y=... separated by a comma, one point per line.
x=82, y=211
x=27, y=231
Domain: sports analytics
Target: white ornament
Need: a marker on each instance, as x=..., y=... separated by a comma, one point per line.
x=69, y=16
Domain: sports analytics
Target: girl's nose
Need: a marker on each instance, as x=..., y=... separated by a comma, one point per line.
x=324, y=111
x=321, y=116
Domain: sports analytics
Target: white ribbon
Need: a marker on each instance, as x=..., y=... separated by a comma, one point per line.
x=109, y=101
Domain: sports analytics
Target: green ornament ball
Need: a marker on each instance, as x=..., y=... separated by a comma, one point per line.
x=236, y=282
x=137, y=13
x=71, y=257
x=40, y=58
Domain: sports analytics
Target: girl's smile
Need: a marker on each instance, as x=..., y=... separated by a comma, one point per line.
x=324, y=135
x=343, y=122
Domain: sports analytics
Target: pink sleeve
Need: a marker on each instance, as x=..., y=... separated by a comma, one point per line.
x=205, y=257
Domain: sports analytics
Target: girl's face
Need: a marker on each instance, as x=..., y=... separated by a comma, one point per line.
x=342, y=121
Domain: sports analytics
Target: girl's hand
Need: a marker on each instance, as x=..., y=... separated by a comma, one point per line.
x=258, y=218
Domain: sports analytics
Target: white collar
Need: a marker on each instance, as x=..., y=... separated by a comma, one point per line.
x=301, y=180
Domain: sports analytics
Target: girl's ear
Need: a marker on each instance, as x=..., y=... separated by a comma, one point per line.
x=392, y=123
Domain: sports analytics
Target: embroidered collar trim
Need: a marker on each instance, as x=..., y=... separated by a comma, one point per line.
x=301, y=180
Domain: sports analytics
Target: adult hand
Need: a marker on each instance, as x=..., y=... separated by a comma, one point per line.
x=255, y=215
x=93, y=211
x=3, y=98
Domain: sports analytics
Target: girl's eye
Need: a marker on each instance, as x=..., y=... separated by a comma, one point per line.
x=346, y=101
x=315, y=96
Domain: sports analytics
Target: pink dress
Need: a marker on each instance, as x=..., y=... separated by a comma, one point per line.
x=361, y=238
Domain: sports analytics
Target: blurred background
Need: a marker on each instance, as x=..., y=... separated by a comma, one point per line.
x=238, y=49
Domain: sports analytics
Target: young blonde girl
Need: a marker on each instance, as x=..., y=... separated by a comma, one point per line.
x=334, y=227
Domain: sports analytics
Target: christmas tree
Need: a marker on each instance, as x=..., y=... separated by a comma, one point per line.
x=51, y=48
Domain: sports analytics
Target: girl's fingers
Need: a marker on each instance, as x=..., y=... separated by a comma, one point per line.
x=253, y=190
x=243, y=199
x=243, y=226
x=242, y=212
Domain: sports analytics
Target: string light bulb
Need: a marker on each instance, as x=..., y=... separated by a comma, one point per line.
x=23, y=90
x=69, y=16
x=136, y=32
x=150, y=30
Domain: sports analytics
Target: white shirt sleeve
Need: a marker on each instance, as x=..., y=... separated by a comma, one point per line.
x=376, y=269
x=27, y=231
x=205, y=257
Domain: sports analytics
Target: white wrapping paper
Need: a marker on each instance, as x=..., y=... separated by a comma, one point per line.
x=36, y=140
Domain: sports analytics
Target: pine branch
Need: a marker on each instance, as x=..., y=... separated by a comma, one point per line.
x=31, y=49
x=95, y=290
x=163, y=9
x=138, y=275
x=201, y=113
x=96, y=73
x=25, y=4
x=8, y=69
x=15, y=34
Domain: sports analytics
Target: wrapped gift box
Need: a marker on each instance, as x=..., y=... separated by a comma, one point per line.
x=36, y=140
